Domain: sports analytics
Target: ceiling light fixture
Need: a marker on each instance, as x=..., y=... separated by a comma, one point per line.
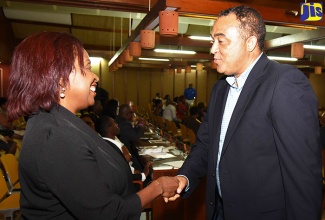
x=194, y=66
x=153, y=59
x=175, y=51
x=315, y=47
x=95, y=60
x=282, y=58
x=200, y=38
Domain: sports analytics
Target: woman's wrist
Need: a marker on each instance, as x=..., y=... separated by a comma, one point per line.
x=157, y=187
x=161, y=189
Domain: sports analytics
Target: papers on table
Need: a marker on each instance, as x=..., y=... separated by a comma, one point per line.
x=163, y=168
x=148, y=133
x=158, y=142
x=20, y=132
x=176, y=164
x=170, y=165
x=154, y=150
x=161, y=155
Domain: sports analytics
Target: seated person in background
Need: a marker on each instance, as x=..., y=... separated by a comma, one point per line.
x=8, y=145
x=7, y=129
x=111, y=108
x=192, y=122
x=181, y=109
x=6, y=135
x=96, y=110
x=88, y=120
x=154, y=100
x=158, y=111
x=8, y=125
x=170, y=112
x=129, y=134
x=202, y=111
x=108, y=129
x=157, y=96
x=165, y=100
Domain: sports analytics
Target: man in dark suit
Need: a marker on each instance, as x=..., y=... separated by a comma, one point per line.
x=130, y=134
x=192, y=122
x=258, y=145
x=108, y=129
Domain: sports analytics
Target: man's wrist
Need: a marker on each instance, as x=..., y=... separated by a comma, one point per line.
x=188, y=183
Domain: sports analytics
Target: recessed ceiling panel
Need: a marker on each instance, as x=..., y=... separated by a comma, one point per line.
x=21, y=31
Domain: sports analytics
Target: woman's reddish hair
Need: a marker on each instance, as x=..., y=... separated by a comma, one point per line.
x=38, y=64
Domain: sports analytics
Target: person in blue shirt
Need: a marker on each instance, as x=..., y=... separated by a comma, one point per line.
x=190, y=94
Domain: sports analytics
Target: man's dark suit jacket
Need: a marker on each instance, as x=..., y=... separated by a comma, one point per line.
x=193, y=123
x=135, y=176
x=67, y=171
x=130, y=135
x=270, y=166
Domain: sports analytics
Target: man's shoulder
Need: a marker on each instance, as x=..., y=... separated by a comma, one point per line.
x=119, y=119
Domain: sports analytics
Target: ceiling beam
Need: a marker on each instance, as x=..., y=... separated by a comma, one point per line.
x=117, y=5
x=149, y=20
x=181, y=41
x=271, y=13
x=69, y=26
x=294, y=38
x=286, y=49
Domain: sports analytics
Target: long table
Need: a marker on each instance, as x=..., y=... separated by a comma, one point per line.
x=192, y=208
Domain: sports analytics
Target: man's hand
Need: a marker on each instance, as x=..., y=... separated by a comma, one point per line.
x=182, y=183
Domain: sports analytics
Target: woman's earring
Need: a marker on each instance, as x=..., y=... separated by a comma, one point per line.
x=62, y=95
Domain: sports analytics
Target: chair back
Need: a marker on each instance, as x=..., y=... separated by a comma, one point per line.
x=168, y=126
x=184, y=132
x=9, y=203
x=10, y=165
x=4, y=191
x=174, y=130
x=161, y=123
x=191, y=136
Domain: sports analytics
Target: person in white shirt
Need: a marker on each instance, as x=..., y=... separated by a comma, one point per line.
x=170, y=111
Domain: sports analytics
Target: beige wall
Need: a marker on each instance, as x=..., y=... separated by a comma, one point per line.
x=141, y=85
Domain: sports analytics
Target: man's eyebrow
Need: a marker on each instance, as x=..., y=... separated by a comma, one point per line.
x=218, y=34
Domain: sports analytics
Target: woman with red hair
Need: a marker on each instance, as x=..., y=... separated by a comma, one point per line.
x=66, y=169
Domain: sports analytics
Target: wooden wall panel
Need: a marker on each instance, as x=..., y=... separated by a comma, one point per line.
x=120, y=87
x=156, y=83
x=179, y=84
x=4, y=79
x=212, y=77
x=107, y=80
x=144, y=88
x=201, y=87
x=132, y=84
x=191, y=78
x=140, y=86
x=168, y=84
x=7, y=39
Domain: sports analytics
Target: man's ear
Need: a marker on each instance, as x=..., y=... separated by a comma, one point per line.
x=251, y=43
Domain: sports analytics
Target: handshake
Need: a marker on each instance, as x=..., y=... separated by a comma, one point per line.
x=171, y=187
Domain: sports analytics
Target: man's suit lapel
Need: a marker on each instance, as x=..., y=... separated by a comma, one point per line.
x=249, y=88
